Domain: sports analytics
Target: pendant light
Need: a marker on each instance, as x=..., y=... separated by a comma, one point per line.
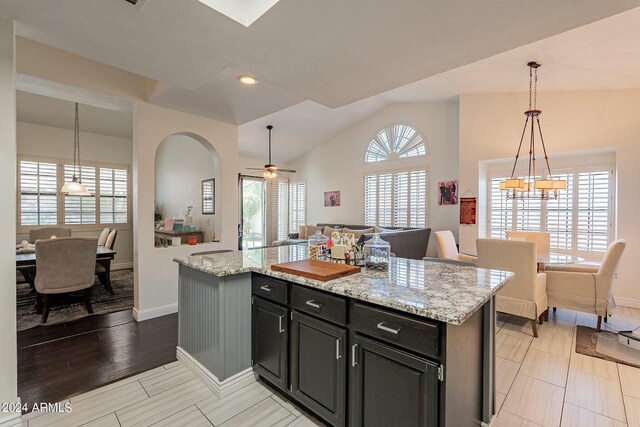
x=75, y=186
x=529, y=186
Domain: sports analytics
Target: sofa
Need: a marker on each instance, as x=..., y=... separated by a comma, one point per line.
x=406, y=242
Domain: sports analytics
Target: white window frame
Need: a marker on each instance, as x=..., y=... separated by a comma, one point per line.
x=293, y=220
x=393, y=173
x=61, y=162
x=574, y=224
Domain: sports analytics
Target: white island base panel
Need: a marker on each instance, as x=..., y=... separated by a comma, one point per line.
x=219, y=388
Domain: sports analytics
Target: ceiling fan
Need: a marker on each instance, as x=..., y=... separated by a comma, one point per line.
x=271, y=171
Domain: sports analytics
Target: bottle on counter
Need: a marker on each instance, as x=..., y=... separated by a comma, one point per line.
x=377, y=253
x=317, y=245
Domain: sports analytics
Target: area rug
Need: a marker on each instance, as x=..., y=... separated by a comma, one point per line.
x=71, y=306
x=604, y=345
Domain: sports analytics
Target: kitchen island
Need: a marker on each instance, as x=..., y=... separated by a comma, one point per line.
x=410, y=346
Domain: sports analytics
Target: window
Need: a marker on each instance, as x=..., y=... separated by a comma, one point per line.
x=38, y=193
x=113, y=196
x=81, y=209
x=297, y=205
x=41, y=203
x=580, y=220
x=396, y=199
x=396, y=141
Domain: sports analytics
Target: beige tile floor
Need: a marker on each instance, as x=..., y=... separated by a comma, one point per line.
x=540, y=382
x=544, y=382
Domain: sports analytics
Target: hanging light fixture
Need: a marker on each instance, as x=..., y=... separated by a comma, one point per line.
x=75, y=186
x=529, y=186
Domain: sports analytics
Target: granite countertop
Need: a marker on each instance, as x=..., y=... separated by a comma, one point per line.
x=445, y=292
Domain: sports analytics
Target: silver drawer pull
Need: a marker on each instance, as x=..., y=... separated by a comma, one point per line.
x=338, y=355
x=354, y=354
x=280, y=328
x=266, y=288
x=312, y=303
x=388, y=329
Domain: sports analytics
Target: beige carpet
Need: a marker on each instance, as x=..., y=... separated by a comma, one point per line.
x=604, y=345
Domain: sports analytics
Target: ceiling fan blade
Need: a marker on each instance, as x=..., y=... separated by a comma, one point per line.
x=255, y=169
x=287, y=170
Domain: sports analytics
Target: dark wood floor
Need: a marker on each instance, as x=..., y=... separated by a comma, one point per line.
x=56, y=362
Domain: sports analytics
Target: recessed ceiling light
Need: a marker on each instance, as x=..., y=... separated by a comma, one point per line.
x=247, y=79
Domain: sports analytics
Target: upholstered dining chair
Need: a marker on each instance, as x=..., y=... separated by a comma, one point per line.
x=64, y=265
x=542, y=239
x=525, y=295
x=446, y=247
x=103, y=236
x=101, y=270
x=588, y=288
x=47, y=232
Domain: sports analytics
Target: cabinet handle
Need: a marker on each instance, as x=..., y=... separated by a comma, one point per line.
x=388, y=329
x=312, y=303
x=354, y=354
x=338, y=355
x=280, y=329
x=266, y=288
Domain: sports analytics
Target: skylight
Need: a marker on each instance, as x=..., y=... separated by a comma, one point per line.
x=245, y=12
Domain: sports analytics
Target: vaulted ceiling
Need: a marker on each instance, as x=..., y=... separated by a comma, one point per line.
x=312, y=58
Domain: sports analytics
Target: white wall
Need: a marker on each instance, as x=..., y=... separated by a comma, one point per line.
x=8, y=349
x=52, y=142
x=156, y=276
x=338, y=164
x=182, y=163
x=490, y=128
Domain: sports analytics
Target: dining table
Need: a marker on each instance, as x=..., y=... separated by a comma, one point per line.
x=26, y=264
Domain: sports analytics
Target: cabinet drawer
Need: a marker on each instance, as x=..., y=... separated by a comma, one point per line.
x=269, y=288
x=319, y=304
x=421, y=337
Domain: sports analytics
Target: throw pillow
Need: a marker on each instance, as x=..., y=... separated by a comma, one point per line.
x=312, y=229
x=328, y=230
x=358, y=233
x=302, y=232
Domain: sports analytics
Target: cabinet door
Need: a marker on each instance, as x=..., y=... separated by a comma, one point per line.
x=269, y=341
x=390, y=387
x=318, y=367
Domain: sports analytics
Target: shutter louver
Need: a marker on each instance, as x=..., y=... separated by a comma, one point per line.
x=81, y=209
x=113, y=196
x=501, y=219
x=297, y=206
x=560, y=215
x=396, y=199
x=38, y=193
x=593, y=211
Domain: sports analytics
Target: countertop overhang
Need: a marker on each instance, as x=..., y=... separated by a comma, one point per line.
x=444, y=292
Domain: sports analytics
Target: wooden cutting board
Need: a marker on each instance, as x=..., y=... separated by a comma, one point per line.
x=314, y=269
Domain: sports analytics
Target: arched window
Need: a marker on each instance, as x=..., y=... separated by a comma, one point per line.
x=395, y=141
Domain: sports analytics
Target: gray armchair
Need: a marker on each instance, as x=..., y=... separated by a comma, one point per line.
x=64, y=265
x=47, y=232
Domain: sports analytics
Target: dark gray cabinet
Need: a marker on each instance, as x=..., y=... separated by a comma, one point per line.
x=390, y=387
x=269, y=341
x=318, y=366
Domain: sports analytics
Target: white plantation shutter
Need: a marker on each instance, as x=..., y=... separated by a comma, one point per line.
x=113, y=196
x=396, y=199
x=580, y=220
x=276, y=217
x=528, y=213
x=501, y=216
x=297, y=205
x=559, y=214
x=81, y=209
x=38, y=193
x=594, y=210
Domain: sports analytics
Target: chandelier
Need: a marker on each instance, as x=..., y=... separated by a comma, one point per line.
x=529, y=186
x=75, y=186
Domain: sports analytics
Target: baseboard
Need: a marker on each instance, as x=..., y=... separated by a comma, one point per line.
x=121, y=266
x=150, y=313
x=10, y=419
x=219, y=388
x=627, y=302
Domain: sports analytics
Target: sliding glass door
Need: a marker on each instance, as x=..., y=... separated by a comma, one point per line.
x=251, y=231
